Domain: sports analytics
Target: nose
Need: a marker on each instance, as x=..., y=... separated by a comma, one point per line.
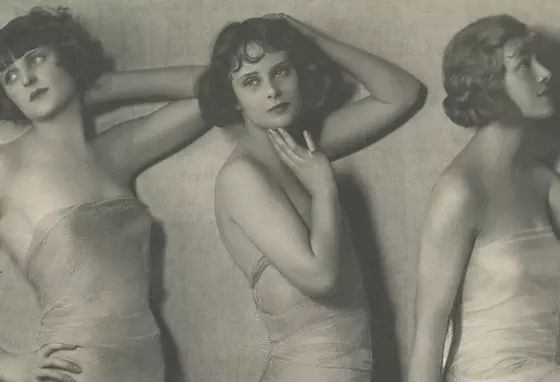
x=273, y=90
x=28, y=77
x=542, y=73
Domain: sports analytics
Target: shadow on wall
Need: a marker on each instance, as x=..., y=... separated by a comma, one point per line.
x=385, y=346
x=368, y=249
x=173, y=368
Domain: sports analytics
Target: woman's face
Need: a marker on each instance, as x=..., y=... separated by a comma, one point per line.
x=527, y=81
x=37, y=84
x=267, y=91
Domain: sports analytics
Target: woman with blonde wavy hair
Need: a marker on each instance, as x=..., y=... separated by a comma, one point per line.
x=489, y=260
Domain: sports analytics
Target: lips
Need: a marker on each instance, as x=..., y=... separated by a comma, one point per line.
x=37, y=93
x=543, y=92
x=280, y=107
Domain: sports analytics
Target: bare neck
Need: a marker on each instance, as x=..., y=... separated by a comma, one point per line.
x=514, y=144
x=256, y=143
x=65, y=127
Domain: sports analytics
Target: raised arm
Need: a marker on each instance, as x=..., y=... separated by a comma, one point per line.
x=447, y=242
x=138, y=143
x=171, y=83
x=393, y=93
x=307, y=257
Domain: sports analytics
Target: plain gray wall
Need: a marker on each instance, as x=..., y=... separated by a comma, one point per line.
x=208, y=307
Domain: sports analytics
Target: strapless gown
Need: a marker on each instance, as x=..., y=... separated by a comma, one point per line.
x=89, y=265
x=507, y=325
x=319, y=340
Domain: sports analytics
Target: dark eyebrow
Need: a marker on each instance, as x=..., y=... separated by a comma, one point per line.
x=280, y=64
x=242, y=77
x=518, y=53
x=524, y=51
x=32, y=52
x=247, y=75
x=24, y=56
x=27, y=54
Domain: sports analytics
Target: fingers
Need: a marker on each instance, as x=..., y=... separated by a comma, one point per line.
x=62, y=364
x=285, y=154
x=52, y=347
x=286, y=146
x=309, y=141
x=292, y=145
x=54, y=376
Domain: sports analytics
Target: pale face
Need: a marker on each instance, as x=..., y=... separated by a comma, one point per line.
x=37, y=84
x=267, y=91
x=527, y=81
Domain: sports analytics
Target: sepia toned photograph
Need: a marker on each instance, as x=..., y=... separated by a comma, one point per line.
x=249, y=191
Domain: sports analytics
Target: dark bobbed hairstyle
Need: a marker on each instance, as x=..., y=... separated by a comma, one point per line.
x=321, y=81
x=473, y=70
x=78, y=52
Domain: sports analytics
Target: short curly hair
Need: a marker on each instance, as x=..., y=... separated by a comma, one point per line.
x=321, y=80
x=473, y=70
x=78, y=52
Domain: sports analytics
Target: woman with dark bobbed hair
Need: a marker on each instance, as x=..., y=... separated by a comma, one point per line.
x=489, y=264
x=276, y=202
x=68, y=218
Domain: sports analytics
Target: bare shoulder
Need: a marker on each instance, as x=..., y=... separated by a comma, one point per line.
x=239, y=181
x=237, y=172
x=457, y=196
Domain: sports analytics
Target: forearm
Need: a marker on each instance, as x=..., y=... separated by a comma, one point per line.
x=426, y=362
x=325, y=232
x=384, y=80
x=170, y=83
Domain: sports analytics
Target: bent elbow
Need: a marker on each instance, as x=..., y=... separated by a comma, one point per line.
x=321, y=285
x=413, y=98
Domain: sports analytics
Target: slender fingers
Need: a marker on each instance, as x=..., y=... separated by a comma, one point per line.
x=292, y=144
x=309, y=141
x=51, y=375
x=285, y=147
x=282, y=153
x=52, y=347
x=62, y=364
x=287, y=138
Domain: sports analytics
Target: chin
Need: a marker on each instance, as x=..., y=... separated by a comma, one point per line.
x=284, y=122
x=542, y=113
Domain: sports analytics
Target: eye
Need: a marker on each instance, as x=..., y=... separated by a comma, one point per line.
x=524, y=62
x=10, y=77
x=282, y=71
x=251, y=81
x=37, y=59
